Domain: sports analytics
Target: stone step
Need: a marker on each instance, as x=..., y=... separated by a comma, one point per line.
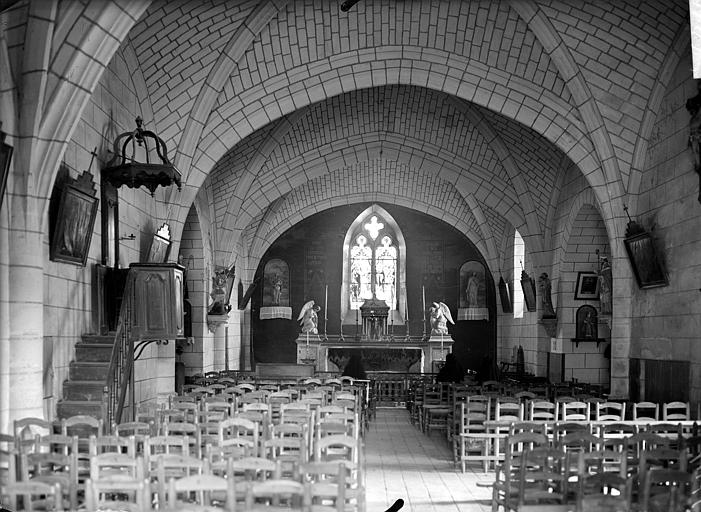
x=93, y=352
x=68, y=408
x=107, y=339
x=91, y=370
x=83, y=389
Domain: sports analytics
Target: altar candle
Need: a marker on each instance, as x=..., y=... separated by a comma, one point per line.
x=326, y=300
x=423, y=301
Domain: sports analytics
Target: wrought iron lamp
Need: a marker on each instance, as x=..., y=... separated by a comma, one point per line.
x=124, y=169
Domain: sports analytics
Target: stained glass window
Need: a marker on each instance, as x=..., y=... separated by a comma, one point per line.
x=386, y=271
x=373, y=265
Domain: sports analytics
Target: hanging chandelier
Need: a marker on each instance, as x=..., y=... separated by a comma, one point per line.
x=124, y=169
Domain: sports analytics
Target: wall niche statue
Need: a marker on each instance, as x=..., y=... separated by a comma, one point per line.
x=222, y=282
x=472, y=298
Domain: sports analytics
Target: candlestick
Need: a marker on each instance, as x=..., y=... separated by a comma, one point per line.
x=326, y=308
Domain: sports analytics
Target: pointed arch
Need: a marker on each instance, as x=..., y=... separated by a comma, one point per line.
x=353, y=229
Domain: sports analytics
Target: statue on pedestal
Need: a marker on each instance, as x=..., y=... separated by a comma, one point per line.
x=440, y=315
x=545, y=296
x=308, y=318
x=218, y=293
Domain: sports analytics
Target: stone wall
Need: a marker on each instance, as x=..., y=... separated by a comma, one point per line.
x=667, y=320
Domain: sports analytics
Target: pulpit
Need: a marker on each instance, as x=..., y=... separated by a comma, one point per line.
x=374, y=313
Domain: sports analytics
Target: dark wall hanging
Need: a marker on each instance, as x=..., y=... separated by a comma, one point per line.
x=5, y=157
x=505, y=296
x=72, y=233
x=640, y=246
x=528, y=287
x=693, y=105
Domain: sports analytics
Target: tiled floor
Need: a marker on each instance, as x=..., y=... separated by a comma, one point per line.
x=402, y=462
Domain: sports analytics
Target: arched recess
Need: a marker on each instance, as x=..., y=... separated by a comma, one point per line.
x=193, y=257
x=364, y=216
x=582, y=235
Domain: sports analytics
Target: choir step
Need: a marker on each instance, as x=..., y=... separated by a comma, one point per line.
x=93, y=352
x=83, y=389
x=88, y=371
x=106, y=339
x=68, y=408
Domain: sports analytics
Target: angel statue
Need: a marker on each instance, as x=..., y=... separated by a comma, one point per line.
x=440, y=313
x=308, y=318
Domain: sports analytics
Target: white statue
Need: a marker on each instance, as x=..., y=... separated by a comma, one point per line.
x=440, y=314
x=308, y=318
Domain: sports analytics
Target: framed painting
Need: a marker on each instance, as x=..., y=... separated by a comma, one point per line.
x=74, y=226
x=276, y=285
x=647, y=266
x=587, y=287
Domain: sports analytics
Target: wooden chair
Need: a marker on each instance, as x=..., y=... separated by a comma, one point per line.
x=542, y=410
x=672, y=411
x=199, y=492
x=610, y=411
x=234, y=430
x=53, y=468
x=507, y=476
x=472, y=441
x=255, y=469
x=117, y=494
x=646, y=411
x=603, y=492
x=272, y=494
x=574, y=411
x=120, y=465
x=32, y=496
x=26, y=429
x=111, y=444
x=543, y=484
x=169, y=466
x=290, y=452
x=667, y=490
x=188, y=429
x=82, y=426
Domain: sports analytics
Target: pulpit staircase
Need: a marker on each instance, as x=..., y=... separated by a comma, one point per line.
x=82, y=392
x=151, y=311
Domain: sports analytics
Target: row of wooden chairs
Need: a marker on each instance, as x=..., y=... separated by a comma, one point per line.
x=324, y=486
x=477, y=433
x=62, y=470
x=536, y=474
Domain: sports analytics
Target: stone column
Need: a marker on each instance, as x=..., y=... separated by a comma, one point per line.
x=26, y=310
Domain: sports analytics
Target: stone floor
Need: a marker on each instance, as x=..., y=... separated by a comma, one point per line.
x=402, y=462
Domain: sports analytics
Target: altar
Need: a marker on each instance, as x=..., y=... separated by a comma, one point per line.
x=413, y=355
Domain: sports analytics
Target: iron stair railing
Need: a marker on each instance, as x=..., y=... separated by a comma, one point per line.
x=120, y=373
